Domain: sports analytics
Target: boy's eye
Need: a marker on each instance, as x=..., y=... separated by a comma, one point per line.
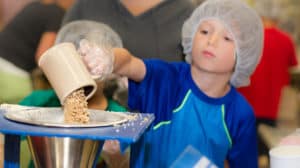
x=228, y=38
x=203, y=31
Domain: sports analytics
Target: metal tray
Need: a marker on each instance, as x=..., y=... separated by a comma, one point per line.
x=54, y=117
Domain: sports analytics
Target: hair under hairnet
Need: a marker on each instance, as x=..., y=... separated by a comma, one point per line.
x=96, y=32
x=242, y=22
x=269, y=8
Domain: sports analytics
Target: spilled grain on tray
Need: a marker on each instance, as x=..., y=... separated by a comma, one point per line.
x=75, y=108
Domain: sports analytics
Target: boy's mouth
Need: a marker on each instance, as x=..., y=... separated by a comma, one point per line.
x=208, y=54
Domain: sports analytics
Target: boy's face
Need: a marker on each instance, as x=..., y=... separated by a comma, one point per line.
x=213, y=48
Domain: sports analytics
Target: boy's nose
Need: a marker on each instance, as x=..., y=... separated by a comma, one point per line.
x=213, y=39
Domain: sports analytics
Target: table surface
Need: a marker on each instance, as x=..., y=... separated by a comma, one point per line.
x=128, y=132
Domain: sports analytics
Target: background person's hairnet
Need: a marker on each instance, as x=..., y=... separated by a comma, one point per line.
x=242, y=22
x=269, y=8
x=95, y=32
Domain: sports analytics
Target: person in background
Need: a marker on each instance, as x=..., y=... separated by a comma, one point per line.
x=272, y=74
x=22, y=40
x=150, y=29
x=222, y=40
x=9, y=8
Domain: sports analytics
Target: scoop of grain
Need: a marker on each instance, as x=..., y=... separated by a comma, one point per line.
x=75, y=108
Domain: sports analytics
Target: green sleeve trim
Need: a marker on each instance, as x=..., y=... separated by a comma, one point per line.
x=174, y=111
x=183, y=102
x=161, y=124
x=225, y=126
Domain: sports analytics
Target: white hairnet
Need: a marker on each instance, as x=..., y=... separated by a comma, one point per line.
x=92, y=31
x=269, y=8
x=242, y=22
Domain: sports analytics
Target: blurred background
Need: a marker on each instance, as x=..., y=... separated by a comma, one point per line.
x=288, y=16
x=9, y=8
x=288, y=112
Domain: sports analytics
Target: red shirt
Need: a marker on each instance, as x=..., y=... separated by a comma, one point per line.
x=271, y=74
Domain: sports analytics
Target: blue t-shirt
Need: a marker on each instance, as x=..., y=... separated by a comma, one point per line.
x=220, y=128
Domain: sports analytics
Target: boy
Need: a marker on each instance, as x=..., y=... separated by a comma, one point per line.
x=194, y=104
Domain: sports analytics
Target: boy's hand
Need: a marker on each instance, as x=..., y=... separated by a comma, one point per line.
x=99, y=60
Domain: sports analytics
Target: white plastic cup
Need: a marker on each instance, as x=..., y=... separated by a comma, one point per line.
x=285, y=156
x=66, y=72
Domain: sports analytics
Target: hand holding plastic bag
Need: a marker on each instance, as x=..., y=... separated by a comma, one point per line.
x=99, y=60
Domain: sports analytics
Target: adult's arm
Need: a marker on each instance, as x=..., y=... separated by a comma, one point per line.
x=46, y=41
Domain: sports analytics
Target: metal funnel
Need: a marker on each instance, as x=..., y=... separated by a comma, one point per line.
x=61, y=149
x=60, y=152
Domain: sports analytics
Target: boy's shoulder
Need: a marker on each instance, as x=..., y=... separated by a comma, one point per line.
x=175, y=72
x=242, y=107
x=158, y=63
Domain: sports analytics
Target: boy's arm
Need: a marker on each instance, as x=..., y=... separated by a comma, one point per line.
x=127, y=65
